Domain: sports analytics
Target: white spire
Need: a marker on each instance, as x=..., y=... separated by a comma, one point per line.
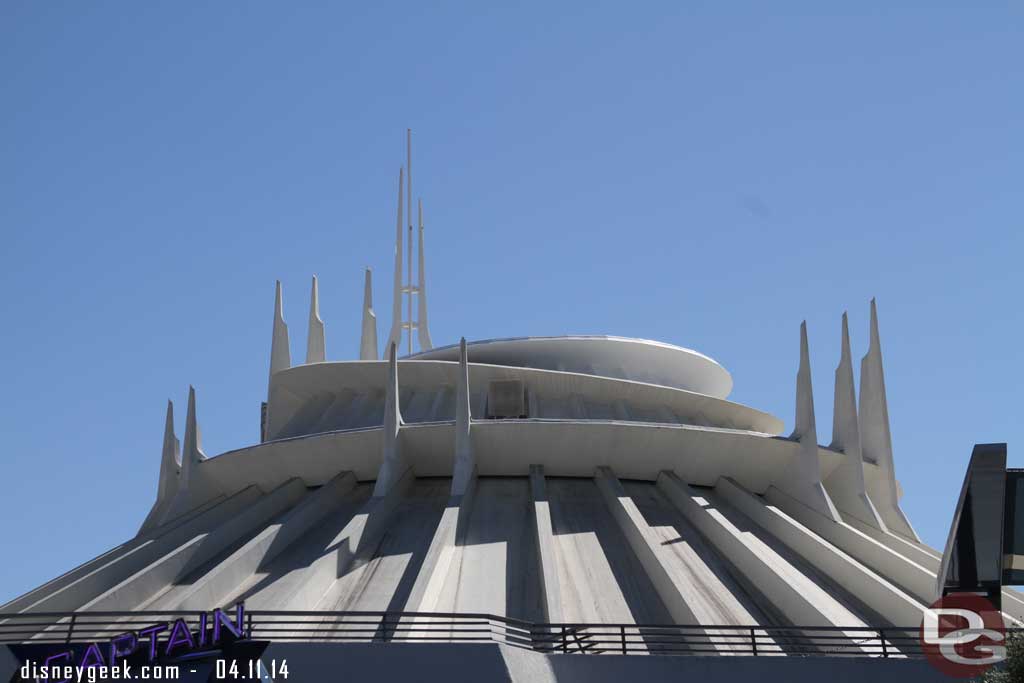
x=368, y=339
x=402, y=321
x=424, y=329
x=846, y=483
x=192, y=454
x=408, y=212
x=316, y=342
x=280, y=357
x=396, y=309
x=393, y=463
x=170, y=459
x=876, y=439
x=169, y=472
x=465, y=463
x=801, y=478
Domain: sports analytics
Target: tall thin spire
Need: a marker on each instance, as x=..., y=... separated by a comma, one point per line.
x=801, y=478
x=423, y=328
x=465, y=463
x=402, y=320
x=845, y=484
x=170, y=466
x=192, y=454
x=280, y=356
x=170, y=459
x=393, y=461
x=408, y=213
x=876, y=438
x=396, y=305
x=368, y=339
x=191, y=457
x=315, y=340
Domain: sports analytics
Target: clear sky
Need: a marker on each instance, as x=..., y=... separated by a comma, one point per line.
x=705, y=174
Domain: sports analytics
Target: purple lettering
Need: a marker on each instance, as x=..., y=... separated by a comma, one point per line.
x=202, y=629
x=151, y=632
x=219, y=618
x=92, y=657
x=180, y=635
x=62, y=655
x=116, y=648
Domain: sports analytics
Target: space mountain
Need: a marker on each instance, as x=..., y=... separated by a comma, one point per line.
x=563, y=479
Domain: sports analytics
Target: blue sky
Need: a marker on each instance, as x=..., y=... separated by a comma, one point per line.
x=706, y=174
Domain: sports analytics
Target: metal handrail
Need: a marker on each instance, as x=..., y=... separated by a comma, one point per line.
x=456, y=627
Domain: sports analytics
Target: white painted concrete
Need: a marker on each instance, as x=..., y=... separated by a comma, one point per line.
x=280, y=354
x=791, y=592
x=394, y=462
x=845, y=485
x=913, y=578
x=687, y=601
x=218, y=584
x=316, y=342
x=178, y=564
x=801, y=477
x=881, y=596
x=368, y=336
x=170, y=467
x=546, y=547
x=618, y=358
x=876, y=438
x=464, y=469
x=600, y=578
x=98, y=577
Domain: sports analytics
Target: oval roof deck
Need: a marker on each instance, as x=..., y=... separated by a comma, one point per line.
x=639, y=360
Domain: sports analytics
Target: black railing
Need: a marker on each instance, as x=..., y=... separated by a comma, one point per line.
x=412, y=627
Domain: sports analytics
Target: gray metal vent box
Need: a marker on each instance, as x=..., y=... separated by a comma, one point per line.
x=506, y=398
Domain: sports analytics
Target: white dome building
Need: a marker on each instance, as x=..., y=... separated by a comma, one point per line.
x=549, y=496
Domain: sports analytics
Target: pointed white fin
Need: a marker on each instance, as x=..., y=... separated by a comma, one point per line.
x=846, y=483
x=801, y=478
x=280, y=356
x=170, y=467
x=368, y=338
x=396, y=305
x=876, y=439
x=191, y=457
x=316, y=342
x=192, y=454
x=170, y=459
x=393, y=462
x=424, y=328
x=465, y=463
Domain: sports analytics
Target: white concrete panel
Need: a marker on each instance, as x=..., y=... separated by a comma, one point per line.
x=601, y=579
x=911, y=577
x=444, y=549
x=293, y=387
x=881, y=596
x=792, y=593
x=379, y=574
x=216, y=585
x=274, y=581
x=508, y=447
x=176, y=565
x=686, y=600
x=547, y=548
x=496, y=568
x=75, y=593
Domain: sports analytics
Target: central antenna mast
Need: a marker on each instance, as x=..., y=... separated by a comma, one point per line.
x=407, y=288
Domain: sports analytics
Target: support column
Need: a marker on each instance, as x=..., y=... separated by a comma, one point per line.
x=876, y=439
x=801, y=478
x=846, y=483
